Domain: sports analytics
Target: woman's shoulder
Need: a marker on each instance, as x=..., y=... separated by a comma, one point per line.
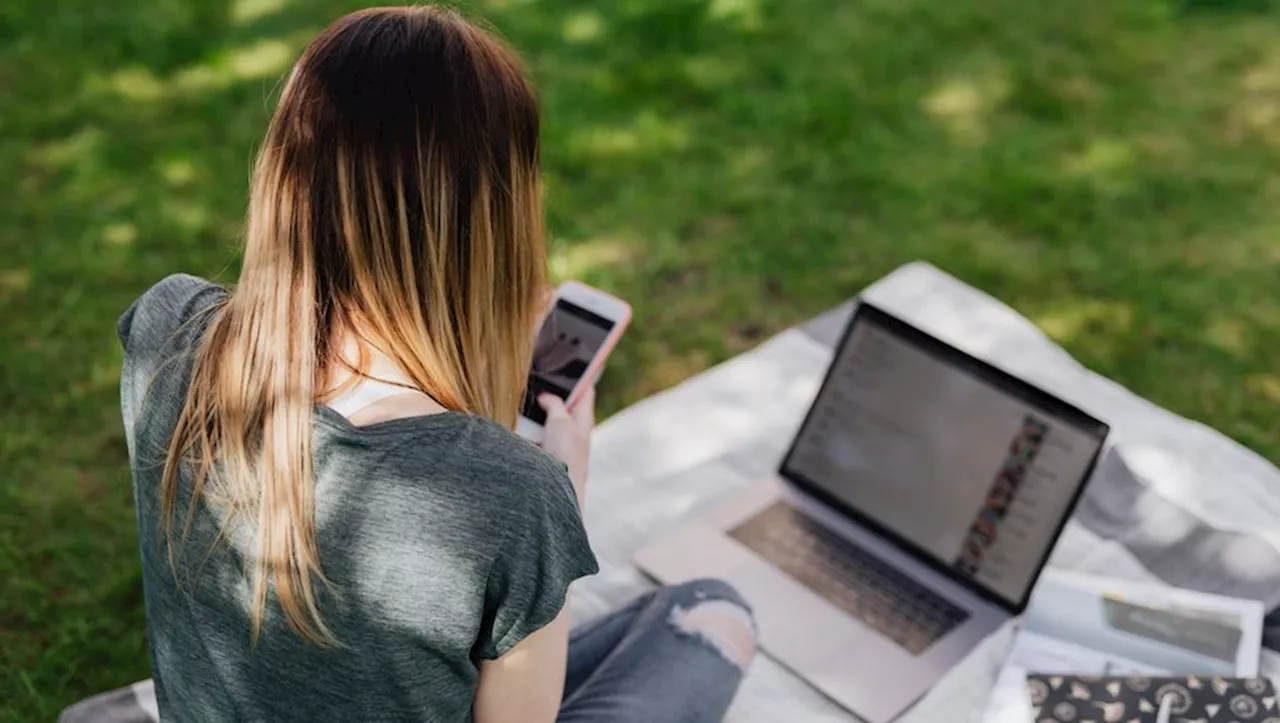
x=510, y=472
x=156, y=316
x=512, y=462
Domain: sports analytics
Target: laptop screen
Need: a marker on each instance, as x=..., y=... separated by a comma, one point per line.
x=959, y=460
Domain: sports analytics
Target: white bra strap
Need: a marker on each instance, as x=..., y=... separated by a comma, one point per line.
x=365, y=393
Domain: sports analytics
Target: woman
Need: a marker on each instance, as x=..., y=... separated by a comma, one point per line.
x=336, y=521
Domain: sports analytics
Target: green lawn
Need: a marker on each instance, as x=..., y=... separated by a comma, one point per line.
x=1108, y=167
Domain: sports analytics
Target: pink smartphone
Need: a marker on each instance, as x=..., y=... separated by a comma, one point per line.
x=581, y=328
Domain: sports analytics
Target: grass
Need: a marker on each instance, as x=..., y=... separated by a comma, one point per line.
x=732, y=167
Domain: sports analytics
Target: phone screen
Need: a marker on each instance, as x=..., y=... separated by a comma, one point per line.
x=570, y=338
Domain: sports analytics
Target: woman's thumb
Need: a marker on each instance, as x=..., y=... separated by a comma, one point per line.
x=552, y=405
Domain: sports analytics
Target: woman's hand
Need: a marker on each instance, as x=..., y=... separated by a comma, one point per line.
x=567, y=435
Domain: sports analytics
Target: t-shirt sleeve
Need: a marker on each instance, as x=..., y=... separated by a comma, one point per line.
x=545, y=548
x=150, y=331
x=153, y=317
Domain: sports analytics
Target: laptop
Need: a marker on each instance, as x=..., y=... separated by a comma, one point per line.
x=909, y=519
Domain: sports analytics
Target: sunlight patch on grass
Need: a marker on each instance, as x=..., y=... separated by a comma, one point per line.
x=1264, y=77
x=649, y=133
x=264, y=59
x=742, y=14
x=1065, y=323
x=247, y=11
x=717, y=226
x=1257, y=113
x=710, y=71
x=1080, y=89
x=119, y=234
x=987, y=245
x=749, y=161
x=1263, y=315
x=1260, y=116
x=14, y=282
x=583, y=26
x=187, y=215
x=261, y=60
x=1104, y=164
x=177, y=171
x=136, y=84
x=1264, y=385
x=1254, y=246
x=70, y=150
x=964, y=105
x=572, y=261
x=199, y=78
x=1228, y=335
x=1162, y=145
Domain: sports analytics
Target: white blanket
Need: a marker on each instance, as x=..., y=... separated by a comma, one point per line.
x=678, y=452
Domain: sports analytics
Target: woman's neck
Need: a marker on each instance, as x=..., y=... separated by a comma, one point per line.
x=366, y=364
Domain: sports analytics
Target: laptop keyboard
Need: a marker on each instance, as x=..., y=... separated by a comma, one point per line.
x=850, y=578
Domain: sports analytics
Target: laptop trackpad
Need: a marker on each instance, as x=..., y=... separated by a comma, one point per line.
x=796, y=626
x=841, y=656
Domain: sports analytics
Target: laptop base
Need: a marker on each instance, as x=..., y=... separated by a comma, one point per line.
x=843, y=657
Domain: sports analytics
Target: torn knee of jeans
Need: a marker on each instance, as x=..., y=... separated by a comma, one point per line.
x=724, y=626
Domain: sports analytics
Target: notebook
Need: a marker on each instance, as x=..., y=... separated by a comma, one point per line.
x=1138, y=699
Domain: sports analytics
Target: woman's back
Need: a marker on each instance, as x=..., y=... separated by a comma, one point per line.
x=409, y=561
x=445, y=541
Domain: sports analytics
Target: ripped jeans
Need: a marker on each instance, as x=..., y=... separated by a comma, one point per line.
x=675, y=655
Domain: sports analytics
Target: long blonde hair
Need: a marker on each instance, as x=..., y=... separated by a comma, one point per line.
x=397, y=197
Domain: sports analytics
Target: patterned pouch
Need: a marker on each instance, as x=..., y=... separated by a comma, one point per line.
x=1192, y=699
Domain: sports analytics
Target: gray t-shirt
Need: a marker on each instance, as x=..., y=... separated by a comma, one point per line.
x=445, y=539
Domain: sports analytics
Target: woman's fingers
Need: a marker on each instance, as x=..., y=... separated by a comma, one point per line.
x=553, y=406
